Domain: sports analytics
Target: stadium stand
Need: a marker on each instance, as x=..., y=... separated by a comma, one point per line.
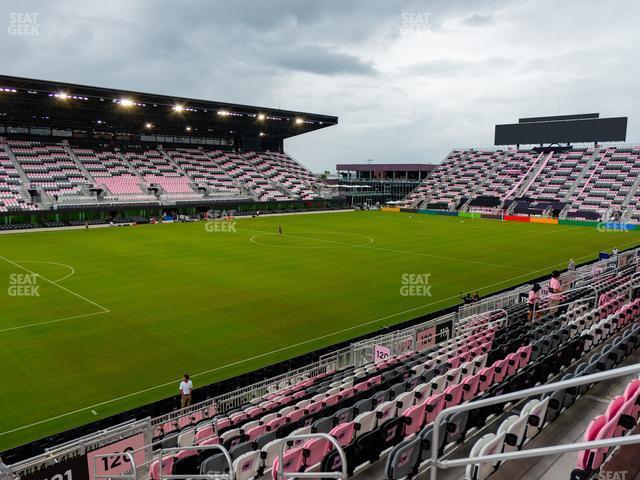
x=387, y=410
x=384, y=413
x=13, y=197
x=591, y=183
x=135, y=174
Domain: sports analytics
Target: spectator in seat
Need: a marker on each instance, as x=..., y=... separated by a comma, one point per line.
x=475, y=297
x=532, y=301
x=555, y=291
x=186, y=389
x=466, y=298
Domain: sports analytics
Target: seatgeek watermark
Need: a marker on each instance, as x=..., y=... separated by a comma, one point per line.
x=23, y=285
x=612, y=227
x=24, y=24
x=613, y=475
x=415, y=23
x=415, y=285
x=220, y=221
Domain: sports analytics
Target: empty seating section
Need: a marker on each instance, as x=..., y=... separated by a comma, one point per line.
x=48, y=165
x=511, y=168
x=592, y=181
x=620, y=418
x=383, y=414
x=110, y=171
x=157, y=170
x=612, y=331
x=556, y=177
x=204, y=169
x=281, y=169
x=61, y=172
x=249, y=178
x=607, y=182
x=11, y=197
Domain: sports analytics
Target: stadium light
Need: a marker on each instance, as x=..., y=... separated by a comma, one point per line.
x=126, y=102
x=8, y=90
x=262, y=134
x=148, y=125
x=223, y=113
x=299, y=121
x=188, y=129
x=61, y=95
x=261, y=116
x=178, y=108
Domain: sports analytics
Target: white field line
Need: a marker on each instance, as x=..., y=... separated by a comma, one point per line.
x=419, y=254
x=52, y=263
x=240, y=362
x=102, y=309
x=370, y=240
x=46, y=322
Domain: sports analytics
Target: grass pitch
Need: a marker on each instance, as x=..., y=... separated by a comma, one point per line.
x=122, y=313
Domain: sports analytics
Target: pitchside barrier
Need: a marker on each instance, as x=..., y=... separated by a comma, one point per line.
x=108, y=453
x=101, y=453
x=605, y=226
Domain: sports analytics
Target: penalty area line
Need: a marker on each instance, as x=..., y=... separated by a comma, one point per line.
x=54, y=283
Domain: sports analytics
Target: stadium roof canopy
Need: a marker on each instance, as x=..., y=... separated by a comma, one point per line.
x=51, y=104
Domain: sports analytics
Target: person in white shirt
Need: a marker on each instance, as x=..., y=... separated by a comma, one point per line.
x=186, y=389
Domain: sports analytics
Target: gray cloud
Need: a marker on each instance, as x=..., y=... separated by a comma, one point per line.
x=477, y=20
x=319, y=60
x=403, y=94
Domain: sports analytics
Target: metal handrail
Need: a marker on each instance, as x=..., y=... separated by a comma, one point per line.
x=489, y=322
x=225, y=452
x=132, y=476
x=542, y=451
x=337, y=475
x=589, y=287
x=634, y=277
x=551, y=387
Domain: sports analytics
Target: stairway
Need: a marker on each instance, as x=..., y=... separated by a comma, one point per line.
x=515, y=191
x=529, y=182
x=582, y=175
x=78, y=163
x=23, y=176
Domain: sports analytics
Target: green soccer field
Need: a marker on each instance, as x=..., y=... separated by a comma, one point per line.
x=121, y=313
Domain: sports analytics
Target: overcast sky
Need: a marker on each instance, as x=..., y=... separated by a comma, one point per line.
x=408, y=80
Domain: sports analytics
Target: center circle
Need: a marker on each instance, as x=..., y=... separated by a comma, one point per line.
x=312, y=240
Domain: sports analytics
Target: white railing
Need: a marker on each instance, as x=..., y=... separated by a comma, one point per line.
x=202, y=476
x=85, y=445
x=436, y=464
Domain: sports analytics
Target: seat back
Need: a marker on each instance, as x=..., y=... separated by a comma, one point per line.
x=403, y=459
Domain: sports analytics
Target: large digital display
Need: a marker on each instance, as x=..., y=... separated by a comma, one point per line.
x=563, y=131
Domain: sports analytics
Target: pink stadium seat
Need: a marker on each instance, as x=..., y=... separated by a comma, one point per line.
x=293, y=461
x=434, y=405
x=343, y=433
x=415, y=417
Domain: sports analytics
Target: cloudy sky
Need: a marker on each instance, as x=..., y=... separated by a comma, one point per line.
x=408, y=80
